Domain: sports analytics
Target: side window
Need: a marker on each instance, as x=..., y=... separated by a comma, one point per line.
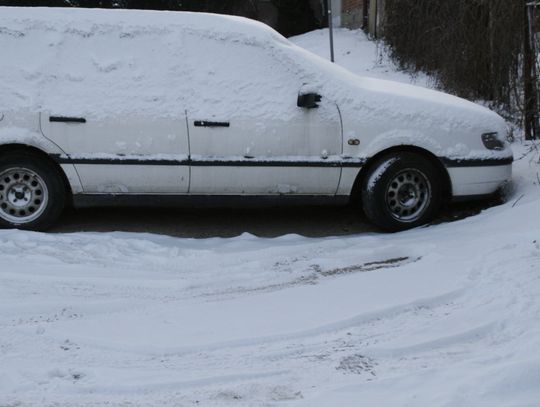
x=235, y=78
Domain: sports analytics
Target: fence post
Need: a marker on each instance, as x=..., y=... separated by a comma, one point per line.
x=529, y=75
x=365, y=16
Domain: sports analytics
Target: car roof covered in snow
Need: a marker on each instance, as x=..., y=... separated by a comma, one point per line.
x=18, y=20
x=108, y=62
x=102, y=63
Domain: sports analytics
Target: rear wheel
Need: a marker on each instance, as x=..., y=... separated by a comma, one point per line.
x=32, y=193
x=401, y=191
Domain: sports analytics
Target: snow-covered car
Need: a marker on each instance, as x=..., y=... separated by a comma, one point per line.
x=158, y=108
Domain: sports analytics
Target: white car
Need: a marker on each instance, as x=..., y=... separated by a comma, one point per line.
x=158, y=108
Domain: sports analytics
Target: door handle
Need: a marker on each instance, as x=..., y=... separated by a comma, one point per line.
x=204, y=123
x=62, y=119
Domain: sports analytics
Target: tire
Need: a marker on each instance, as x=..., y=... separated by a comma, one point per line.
x=402, y=191
x=32, y=193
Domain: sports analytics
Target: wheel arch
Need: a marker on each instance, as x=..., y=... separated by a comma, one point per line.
x=365, y=170
x=31, y=150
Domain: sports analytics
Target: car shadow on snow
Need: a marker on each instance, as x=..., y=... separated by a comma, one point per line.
x=222, y=222
x=263, y=222
x=460, y=210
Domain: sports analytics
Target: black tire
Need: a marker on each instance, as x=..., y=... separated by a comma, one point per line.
x=401, y=191
x=32, y=193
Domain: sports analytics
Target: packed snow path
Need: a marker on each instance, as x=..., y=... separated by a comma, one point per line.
x=444, y=315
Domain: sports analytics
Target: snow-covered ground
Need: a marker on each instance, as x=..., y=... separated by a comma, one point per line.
x=354, y=51
x=445, y=315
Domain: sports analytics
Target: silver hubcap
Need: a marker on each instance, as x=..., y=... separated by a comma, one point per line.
x=408, y=195
x=23, y=195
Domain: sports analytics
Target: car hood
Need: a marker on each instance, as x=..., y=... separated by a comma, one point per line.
x=416, y=107
x=417, y=94
x=364, y=100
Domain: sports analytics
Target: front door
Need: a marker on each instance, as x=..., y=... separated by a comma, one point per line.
x=239, y=155
x=247, y=134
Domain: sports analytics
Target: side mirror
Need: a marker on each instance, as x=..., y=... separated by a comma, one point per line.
x=309, y=100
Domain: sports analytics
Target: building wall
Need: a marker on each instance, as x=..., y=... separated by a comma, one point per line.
x=351, y=13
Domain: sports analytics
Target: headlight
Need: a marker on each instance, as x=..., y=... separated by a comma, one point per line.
x=492, y=141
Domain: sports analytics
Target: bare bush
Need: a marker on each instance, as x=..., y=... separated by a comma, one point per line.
x=471, y=47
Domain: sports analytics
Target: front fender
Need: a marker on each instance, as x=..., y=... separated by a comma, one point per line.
x=394, y=138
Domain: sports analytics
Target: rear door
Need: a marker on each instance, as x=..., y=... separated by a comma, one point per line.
x=128, y=154
x=112, y=100
x=247, y=134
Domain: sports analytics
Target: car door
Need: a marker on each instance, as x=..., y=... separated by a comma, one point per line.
x=123, y=155
x=113, y=109
x=247, y=134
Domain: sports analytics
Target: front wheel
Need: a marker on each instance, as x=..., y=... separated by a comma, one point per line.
x=32, y=193
x=401, y=191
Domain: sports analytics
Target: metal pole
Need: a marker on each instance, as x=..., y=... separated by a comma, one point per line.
x=331, y=29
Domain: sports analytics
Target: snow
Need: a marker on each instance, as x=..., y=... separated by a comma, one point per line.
x=444, y=315
x=355, y=52
x=378, y=173
x=90, y=62
x=99, y=64
x=411, y=115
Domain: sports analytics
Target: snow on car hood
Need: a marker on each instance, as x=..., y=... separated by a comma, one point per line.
x=399, y=105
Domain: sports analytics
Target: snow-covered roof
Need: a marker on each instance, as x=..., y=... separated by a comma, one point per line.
x=76, y=61
x=100, y=63
x=17, y=21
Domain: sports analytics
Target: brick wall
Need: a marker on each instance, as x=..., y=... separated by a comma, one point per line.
x=352, y=5
x=351, y=14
